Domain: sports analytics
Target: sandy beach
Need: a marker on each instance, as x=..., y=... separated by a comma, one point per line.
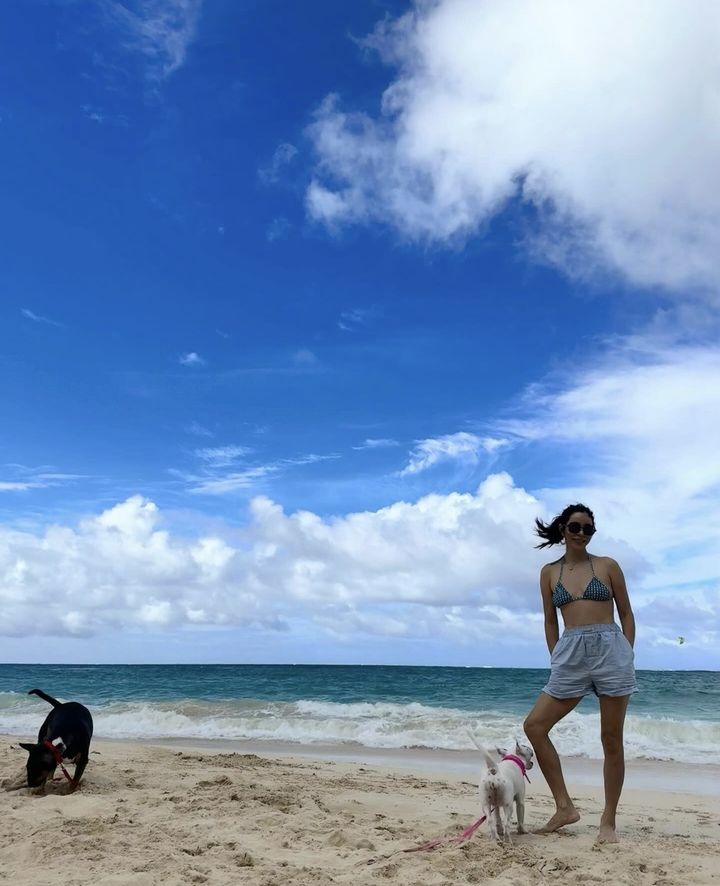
x=150, y=814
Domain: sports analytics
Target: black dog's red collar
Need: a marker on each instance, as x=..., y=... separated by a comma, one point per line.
x=59, y=760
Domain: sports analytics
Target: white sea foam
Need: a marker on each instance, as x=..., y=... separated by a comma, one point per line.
x=374, y=725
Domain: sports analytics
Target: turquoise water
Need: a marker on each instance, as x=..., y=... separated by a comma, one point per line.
x=675, y=715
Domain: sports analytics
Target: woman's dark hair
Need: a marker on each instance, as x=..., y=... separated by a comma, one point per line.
x=552, y=532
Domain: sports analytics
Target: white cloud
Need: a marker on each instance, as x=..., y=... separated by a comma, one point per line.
x=462, y=446
x=191, y=359
x=603, y=124
x=284, y=154
x=23, y=478
x=215, y=479
x=377, y=443
x=454, y=566
x=306, y=358
x=224, y=484
x=637, y=432
x=222, y=456
x=351, y=320
x=19, y=485
x=116, y=565
x=37, y=318
x=161, y=30
x=101, y=116
x=198, y=430
x=278, y=228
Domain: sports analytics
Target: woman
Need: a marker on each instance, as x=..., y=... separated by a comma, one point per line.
x=593, y=654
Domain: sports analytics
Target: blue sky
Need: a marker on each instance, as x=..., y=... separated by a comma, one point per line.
x=309, y=309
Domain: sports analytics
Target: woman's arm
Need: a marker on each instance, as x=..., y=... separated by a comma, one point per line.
x=622, y=600
x=552, y=631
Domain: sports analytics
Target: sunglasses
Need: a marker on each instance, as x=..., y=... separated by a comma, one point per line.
x=577, y=528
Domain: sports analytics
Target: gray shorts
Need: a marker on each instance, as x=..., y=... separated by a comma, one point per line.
x=592, y=658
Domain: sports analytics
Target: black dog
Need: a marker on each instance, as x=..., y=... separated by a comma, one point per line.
x=65, y=735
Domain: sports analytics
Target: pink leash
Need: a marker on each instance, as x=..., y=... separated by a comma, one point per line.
x=433, y=844
x=440, y=841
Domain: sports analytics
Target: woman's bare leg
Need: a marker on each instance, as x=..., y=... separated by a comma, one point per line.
x=541, y=719
x=612, y=721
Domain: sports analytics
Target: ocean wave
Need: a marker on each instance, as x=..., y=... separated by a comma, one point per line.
x=383, y=725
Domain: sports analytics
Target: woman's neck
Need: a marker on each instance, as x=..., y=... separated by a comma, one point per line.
x=574, y=557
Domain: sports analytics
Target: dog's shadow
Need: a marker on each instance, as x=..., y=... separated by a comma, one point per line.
x=58, y=787
x=14, y=784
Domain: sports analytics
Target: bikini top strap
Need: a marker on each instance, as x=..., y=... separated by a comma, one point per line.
x=562, y=566
x=591, y=566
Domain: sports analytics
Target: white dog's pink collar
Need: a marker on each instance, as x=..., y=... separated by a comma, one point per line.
x=520, y=762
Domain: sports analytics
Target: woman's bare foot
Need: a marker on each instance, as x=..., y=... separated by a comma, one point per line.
x=607, y=834
x=566, y=815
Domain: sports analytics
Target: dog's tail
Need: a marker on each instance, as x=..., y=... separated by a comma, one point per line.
x=48, y=698
x=491, y=763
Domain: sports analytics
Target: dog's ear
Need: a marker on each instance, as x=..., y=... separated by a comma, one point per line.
x=501, y=751
x=27, y=747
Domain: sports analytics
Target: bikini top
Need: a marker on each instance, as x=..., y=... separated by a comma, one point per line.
x=595, y=589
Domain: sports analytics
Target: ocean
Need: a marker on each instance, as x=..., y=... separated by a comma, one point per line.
x=674, y=716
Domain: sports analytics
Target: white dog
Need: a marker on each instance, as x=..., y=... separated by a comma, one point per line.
x=501, y=785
